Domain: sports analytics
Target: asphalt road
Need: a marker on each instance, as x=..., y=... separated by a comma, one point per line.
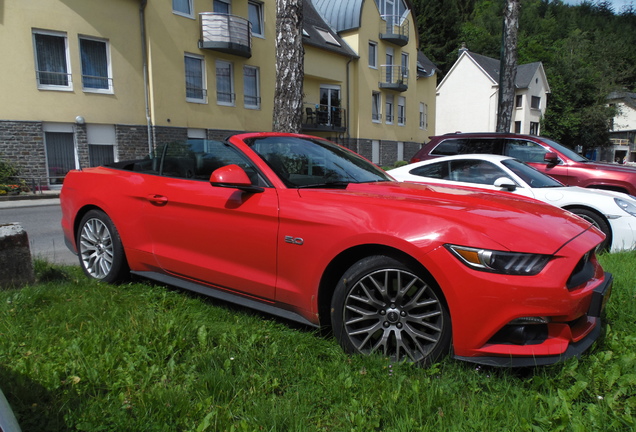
x=41, y=220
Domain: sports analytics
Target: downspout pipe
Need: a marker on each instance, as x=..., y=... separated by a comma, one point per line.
x=144, y=55
x=348, y=104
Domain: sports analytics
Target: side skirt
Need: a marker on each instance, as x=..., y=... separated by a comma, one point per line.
x=225, y=296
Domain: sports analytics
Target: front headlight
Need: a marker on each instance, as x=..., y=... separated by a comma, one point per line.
x=510, y=263
x=626, y=205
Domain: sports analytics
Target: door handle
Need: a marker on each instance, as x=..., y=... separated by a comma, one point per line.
x=158, y=200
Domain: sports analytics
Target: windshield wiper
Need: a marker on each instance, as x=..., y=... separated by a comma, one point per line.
x=326, y=185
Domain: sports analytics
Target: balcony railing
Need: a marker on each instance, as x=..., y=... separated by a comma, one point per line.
x=394, y=77
x=229, y=34
x=318, y=117
x=394, y=29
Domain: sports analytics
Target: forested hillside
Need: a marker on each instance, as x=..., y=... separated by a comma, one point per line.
x=587, y=51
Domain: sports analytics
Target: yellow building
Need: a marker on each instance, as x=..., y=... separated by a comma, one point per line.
x=91, y=82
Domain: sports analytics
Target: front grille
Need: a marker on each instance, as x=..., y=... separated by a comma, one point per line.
x=583, y=271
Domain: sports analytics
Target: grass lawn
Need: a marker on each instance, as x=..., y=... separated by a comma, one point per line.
x=78, y=355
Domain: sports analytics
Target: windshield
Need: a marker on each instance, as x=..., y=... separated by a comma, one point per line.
x=305, y=162
x=534, y=178
x=566, y=151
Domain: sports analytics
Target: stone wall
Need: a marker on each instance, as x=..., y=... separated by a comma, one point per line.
x=22, y=143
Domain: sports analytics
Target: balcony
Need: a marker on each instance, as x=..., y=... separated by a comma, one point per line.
x=225, y=33
x=394, y=29
x=323, y=118
x=394, y=77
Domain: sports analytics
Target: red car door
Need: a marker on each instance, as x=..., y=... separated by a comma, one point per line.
x=215, y=235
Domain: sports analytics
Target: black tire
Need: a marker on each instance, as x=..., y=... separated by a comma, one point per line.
x=100, y=250
x=599, y=222
x=381, y=306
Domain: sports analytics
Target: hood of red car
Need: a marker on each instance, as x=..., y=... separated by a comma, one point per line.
x=610, y=167
x=515, y=223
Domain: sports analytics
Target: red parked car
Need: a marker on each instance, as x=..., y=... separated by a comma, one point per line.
x=542, y=153
x=299, y=227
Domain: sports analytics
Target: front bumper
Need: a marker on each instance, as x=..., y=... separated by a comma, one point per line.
x=577, y=338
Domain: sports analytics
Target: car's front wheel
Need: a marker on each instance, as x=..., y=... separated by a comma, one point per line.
x=101, y=253
x=382, y=306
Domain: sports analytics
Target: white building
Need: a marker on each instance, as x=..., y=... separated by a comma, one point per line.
x=468, y=96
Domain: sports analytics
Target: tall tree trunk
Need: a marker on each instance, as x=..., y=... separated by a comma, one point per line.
x=288, y=97
x=508, y=70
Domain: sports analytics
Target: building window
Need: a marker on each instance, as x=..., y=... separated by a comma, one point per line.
x=518, y=127
x=535, y=102
x=389, y=65
x=376, y=114
x=195, y=79
x=388, y=112
x=423, y=116
x=375, y=151
x=60, y=155
x=373, y=55
x=255, y=14
x=534, y=128
x=327, y=37
x=518, y=101
x=53, y=68
x=405, y=65
x=401, y=110
x=222, y=7
x=96, y=68
x=224, y=83
x=182, y=7
x=101, y=140
x=400, y=151
x=251, y=87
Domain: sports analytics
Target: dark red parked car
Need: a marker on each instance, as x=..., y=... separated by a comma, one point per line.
x=542, y=153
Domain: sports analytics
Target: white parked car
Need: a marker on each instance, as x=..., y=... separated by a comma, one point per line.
x=613, y=213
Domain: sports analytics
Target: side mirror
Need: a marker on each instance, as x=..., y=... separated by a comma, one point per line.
x=505, y=183
x=551, y=158
x=233, y=176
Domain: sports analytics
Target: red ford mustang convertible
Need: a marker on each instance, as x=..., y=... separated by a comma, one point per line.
x=302, y=228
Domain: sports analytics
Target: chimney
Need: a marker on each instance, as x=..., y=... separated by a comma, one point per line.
x=462, y=49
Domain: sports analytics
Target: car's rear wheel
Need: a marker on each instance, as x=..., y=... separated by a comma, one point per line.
x=599, y=222
x=101, y=253
x=382, y=306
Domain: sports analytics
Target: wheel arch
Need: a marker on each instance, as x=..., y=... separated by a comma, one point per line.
x=80, y=215
x=339, y=265
x=572, y=208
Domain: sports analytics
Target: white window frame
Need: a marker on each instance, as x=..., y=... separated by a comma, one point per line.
x=423, y=116
x=106, y=43
x=184, y=14
x=405, y=64
x=226, y=2
x=261, y=17
x=401, y=111
x=376, y=102
x=389, y=103
x=102, y=135
x=373, y=59
x=258, y=87
x=375, y=151
x=204, y=90
x=229, y=66
x=69, y=86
